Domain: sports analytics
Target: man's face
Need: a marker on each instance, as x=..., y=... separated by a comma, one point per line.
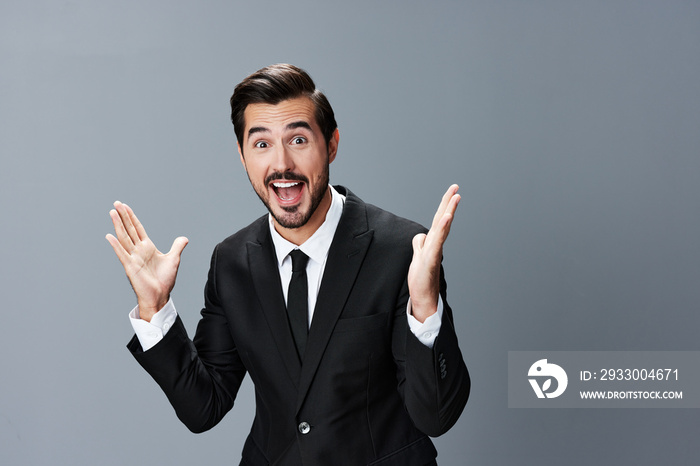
x=287, y=160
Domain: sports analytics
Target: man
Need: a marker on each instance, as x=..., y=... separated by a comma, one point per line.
x=311, y=300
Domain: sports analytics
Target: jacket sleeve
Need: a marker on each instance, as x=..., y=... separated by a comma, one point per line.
x=200, y=378
x=434, y=382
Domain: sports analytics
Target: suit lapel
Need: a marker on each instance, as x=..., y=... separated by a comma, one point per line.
x=348, y=249
x=268, y=288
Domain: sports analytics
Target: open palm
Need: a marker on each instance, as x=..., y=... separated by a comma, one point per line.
x=152, y=274
x=424, y=272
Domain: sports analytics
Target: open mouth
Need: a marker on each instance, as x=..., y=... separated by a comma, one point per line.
x=288, y=192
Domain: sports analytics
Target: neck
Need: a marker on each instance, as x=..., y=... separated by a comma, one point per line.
x=299, y=235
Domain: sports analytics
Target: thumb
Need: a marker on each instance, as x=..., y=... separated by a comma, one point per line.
x=418, y=242
x=178, y=245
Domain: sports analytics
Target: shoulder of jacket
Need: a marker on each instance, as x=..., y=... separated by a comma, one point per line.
x=250, y=233
x=385, y=222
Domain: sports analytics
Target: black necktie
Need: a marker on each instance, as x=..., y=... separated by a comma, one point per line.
x=298, y=301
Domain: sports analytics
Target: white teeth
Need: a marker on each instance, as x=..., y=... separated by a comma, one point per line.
x=285, y=185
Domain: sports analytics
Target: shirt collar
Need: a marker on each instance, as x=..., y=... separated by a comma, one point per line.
x=318, y=245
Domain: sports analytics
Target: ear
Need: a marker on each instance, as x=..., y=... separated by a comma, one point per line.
x=333, y=146
x=240, y=153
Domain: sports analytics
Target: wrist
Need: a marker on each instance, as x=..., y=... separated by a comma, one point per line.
x=421, y=310
x=148, y=310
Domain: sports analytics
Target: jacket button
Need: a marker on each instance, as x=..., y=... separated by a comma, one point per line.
x=304, y=428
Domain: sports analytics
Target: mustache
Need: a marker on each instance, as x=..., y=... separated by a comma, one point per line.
x=289, y=176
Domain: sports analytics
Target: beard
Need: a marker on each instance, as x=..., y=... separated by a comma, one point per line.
x=294, y=216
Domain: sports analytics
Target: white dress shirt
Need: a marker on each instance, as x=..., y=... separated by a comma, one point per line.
x=316, y=247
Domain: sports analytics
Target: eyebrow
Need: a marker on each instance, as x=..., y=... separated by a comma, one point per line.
x=293, y=125
x=299, y=124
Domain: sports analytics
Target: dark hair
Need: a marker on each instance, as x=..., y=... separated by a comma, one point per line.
x=274, y=84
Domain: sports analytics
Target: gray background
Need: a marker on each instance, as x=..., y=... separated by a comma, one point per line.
x=571, y=126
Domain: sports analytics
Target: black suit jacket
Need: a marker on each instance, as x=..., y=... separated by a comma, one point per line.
x=368, y=390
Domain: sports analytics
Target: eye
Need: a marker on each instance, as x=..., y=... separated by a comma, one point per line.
x=261, y=145
x=298, y=140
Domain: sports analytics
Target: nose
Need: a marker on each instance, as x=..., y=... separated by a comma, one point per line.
x=283, y=160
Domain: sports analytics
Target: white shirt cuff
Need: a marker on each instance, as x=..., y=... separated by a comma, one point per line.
x=428, y=331
x=150, y=333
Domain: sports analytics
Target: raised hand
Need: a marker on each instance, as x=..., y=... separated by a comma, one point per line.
x=424, y=272
x=151, y=273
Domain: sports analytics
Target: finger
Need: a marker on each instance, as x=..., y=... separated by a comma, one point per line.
x=140, y=230
x=444, y=203
x=452, y=204
x=178, y=246
x=446, y=221
x=122, y=255
x=119, y=229
x=126, y=220
x=439, y=232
